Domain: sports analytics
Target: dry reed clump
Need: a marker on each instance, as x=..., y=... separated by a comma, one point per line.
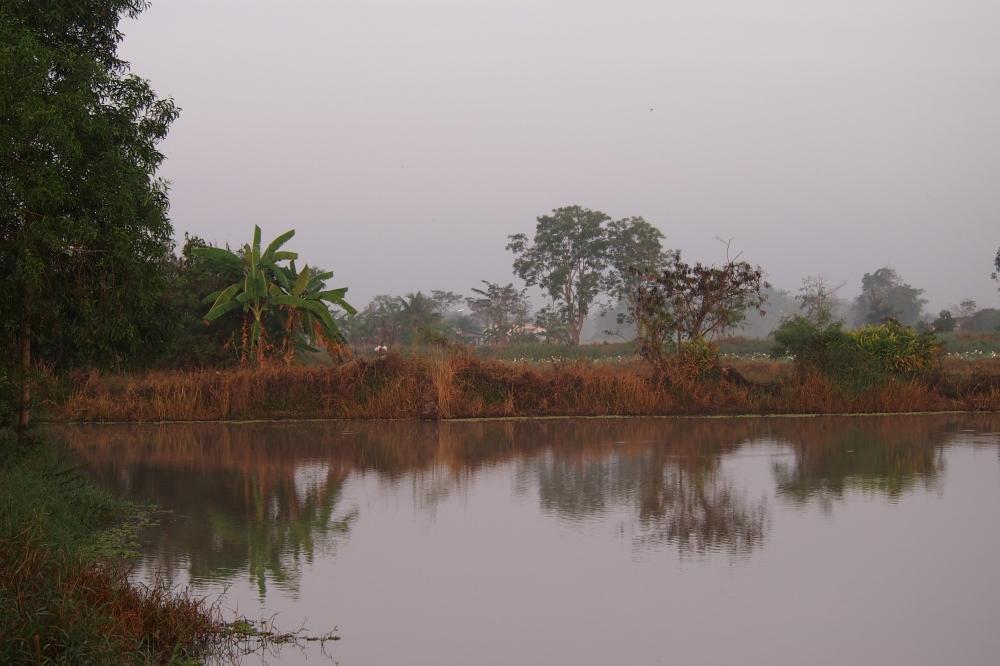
x=54, y=605
x=461, y=385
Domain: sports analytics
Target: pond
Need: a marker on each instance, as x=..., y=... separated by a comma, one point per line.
x=828, y=540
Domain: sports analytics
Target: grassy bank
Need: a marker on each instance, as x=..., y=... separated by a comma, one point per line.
x=462, y=385
x=65, y=592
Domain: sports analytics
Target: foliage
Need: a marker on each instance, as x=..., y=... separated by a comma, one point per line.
x=306, y=313
x=633, y=243
x=567, y=258
x=551, y=320
x=885, y=296
x=83, y=217
x=985, y=320
x=420, y=319
x=861, y=359
x=502, y=310
x=944, y=322
x=577, y=254
x=65, y=593
x=828, y=351
x=967, y=308
x=691, y=302
x=900, y=350
x=266, y=289
x=446, y=301
x=412, y=319
x=818, y=300
x=996, y=265
x=188, y=342
x=701, y=354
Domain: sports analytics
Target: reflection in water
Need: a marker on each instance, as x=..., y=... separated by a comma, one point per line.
x=259, y=500
x=880, y=455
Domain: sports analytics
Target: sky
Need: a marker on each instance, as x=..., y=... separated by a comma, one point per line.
x=404, y=140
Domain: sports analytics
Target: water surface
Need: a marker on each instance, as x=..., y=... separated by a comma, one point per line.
x=858, y=540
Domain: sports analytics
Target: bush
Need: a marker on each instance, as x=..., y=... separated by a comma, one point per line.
x=899, y=349
x=702, y=354
x=862, y=359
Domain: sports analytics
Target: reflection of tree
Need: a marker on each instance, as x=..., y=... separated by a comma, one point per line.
x=887, y=455
x=679, y=498
x=253, y=515
x=262, y=499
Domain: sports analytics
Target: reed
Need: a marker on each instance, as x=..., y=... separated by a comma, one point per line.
x=465, y=386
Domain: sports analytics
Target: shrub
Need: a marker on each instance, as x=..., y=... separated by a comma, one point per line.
x=702, y=354
x=899, y=349
x=861, y=359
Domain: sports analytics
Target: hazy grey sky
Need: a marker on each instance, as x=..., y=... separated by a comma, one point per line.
x=404, y=140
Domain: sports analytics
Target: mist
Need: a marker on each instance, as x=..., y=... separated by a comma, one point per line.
x=404, y=141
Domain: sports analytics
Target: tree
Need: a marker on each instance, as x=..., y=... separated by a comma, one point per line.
x=567, y=258
x=267, y=288
x=634, y=245
x=446, y=300
x=996, y=266
x=944, y=323
x=967, y=308
x=885, y=296
x=818, y=300
x=378, y=323
x=501, y=310
x=83, y=217
x=693, y=302
x=420, y=318
x=578, y=254
x=187, y=341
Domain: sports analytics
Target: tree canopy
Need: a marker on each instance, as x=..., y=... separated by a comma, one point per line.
x=577, y=254
x=83, y=215
x=885, y=296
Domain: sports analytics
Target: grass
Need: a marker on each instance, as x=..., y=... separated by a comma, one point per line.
x=971, y=345
x=462, y=385
x=65, y=592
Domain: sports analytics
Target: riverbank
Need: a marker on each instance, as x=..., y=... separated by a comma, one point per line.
x=463, y=386
x=65, y=591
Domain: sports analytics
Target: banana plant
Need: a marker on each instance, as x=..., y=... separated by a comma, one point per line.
x=257, y=293
x=305, y=301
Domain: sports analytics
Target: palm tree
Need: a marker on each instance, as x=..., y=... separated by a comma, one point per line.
x=419, y=315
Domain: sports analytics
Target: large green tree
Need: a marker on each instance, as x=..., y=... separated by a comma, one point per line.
x=577, y=254
x=83, y=216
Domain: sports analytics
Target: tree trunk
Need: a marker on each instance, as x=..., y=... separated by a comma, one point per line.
x=575, y=329
x=24, y=408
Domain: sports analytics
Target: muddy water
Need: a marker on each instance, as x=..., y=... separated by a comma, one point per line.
x=840, y=540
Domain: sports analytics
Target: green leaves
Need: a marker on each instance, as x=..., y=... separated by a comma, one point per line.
x=218, y=255
x=271, y=291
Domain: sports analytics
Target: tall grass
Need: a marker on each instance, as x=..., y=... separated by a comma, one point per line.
x=463, y=385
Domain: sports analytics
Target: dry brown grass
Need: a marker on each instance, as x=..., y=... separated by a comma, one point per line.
x=56, y=604
x=462, y=386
